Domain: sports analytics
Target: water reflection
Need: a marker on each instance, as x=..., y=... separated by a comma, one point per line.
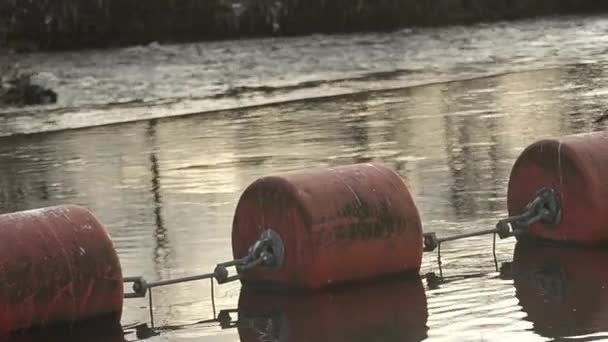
x=394, y=310
x=471, y=145
x=103, y=330
x=161, y=249
x=563, y=290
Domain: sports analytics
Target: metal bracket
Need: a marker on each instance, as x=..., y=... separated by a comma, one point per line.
x=267, y=251
x=545, y=208
x=140, y=287
x=430, y=241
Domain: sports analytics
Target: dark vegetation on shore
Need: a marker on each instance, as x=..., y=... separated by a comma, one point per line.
x=27, y=25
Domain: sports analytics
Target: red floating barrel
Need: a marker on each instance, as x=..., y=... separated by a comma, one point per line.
x=337, y=225
x=58, y=265
x=577, y=168
x=394, y=310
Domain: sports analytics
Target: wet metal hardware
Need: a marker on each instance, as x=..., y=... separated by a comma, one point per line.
x=544, y=208
x=268, y=251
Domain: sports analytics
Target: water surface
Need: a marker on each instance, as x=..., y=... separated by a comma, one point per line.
x=167, y=190
x=118, y=85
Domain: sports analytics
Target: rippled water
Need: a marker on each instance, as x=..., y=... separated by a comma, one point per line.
x=167, y=188
x=101, y=87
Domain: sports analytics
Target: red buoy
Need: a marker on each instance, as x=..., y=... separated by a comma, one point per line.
x=333, y=225
x=58, y=265
x=561, y=289
x=576, y=168
x=370, y=312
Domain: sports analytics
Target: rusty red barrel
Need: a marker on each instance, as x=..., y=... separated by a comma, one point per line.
x=394, y=310
x=57, y=265
x=576, y=167
x=561, y=289
x=337, y=225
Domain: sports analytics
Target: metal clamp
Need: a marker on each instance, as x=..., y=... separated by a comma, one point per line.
x=268, y=251
x=545, y=208
x=430, y=241
x=140, y=287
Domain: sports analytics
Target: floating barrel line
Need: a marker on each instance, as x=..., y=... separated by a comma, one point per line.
x=307, y=231
x=269, y=250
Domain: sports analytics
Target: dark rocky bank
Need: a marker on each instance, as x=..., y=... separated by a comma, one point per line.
x=20, y=91
x=27, y=25
x=16, y=87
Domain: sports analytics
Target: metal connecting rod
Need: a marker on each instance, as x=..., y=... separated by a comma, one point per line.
x=267, y=251
x=544, y=208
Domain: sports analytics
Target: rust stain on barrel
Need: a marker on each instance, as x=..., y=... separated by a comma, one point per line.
x=339, y=224
x=58, y=266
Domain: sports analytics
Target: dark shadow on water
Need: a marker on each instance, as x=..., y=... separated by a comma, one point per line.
x=161, y=251
x=102, y=330
x=563, y=290
x=393, y=309
x=358, y=132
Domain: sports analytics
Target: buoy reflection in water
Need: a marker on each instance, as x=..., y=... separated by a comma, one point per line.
x=563, y=290
x=392, y=310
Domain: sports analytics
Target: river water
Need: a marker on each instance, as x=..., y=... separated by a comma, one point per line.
x=167, y=188
x=154, y=81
